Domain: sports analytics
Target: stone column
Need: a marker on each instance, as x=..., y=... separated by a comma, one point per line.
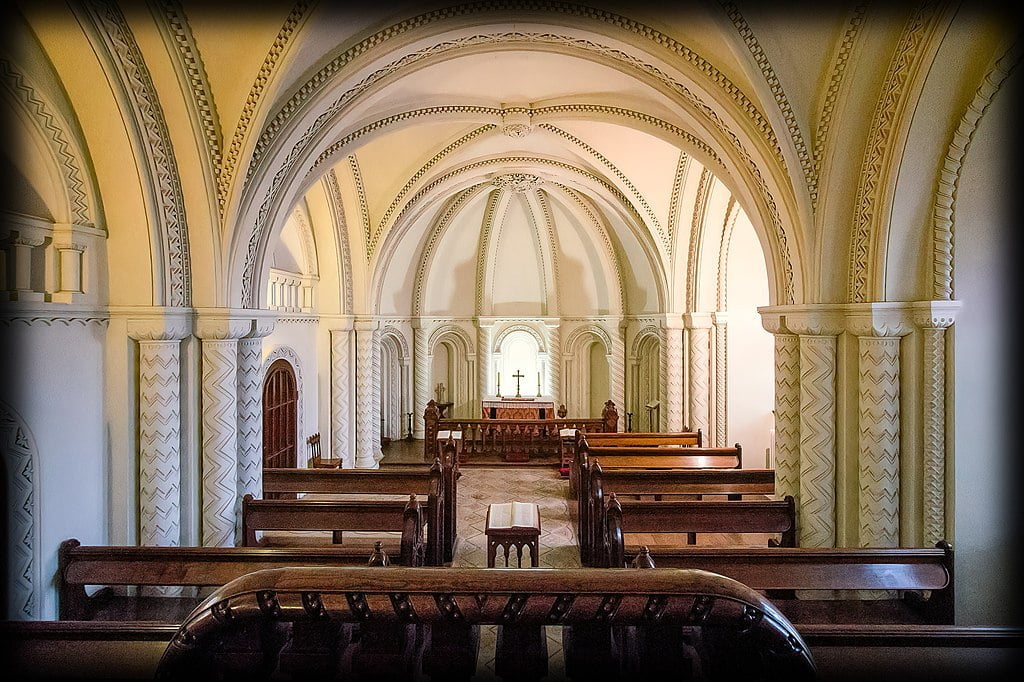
x=554, y=329
x=672, y=379
x=933, y=318
x=787, y=407
x=220, y=334
x=698, y=326
x=617, y=372
x=484, y=338
x=421, y=375
x=366, y=430
x=721, y=321
x=250, y=414
x=816, y=523
x=159, y=512
x=375, y=387
x=341, y=394
x=19, y=268
x=70, y=253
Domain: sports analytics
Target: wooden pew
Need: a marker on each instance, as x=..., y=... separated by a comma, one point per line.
x=337, y=517
x=733, y=483
x=690, y=457
x=880, y=585
x=736, y=632
x=110, y=567
x=438, y=485
x=570, y=445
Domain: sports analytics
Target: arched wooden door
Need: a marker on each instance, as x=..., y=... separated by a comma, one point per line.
x=280, y=416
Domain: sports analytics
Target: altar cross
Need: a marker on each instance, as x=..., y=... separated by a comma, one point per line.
x=517, y=376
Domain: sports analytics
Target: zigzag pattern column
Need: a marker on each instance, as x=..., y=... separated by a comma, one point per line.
x=555, y=362
x=787, y=416
x=673, y=386
x=364, y=397
x=421, y=378
x=250, y=417
x=934, y=440
x=220, y=441
x=721, y=379
x=817, y=511
x=879, y=456
x=341, y=406
x=617, y=374
x=483, y=358
x=699, y=325
x=160, y=442
x=375, y=386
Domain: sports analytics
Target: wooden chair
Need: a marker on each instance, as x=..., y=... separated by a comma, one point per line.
x=316, y=461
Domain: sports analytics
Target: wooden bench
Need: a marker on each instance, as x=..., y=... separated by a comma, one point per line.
x=570, y=442
x=732, y=483
x=689, y=457
x=881, y=585
x=695, y=516
x=437, y=486
x=110, y=567
x=708, y=623
x=383, y=516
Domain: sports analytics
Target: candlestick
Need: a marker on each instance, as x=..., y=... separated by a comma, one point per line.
x=538, y=384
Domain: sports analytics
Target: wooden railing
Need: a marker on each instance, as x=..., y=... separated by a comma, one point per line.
x=515, y=440
x=678, y=617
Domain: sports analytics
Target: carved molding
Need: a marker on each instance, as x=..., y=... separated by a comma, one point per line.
x=20, y=459
x=365, y=426
x=816, y=525
x=160, y=441
x=879, y=441
x=220, y=440
x=287, y=353
x=341, y=391
x=699, y=379
x=787, y=416
x=673, y=388
x=364, y=210
x=333, y=191
x=674, y=202
x=520, y=183
x=696, y=242
x=732, y=211
x=933, y=441
x=421, y=376
x=721, y=424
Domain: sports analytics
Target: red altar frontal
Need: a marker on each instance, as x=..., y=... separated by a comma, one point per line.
x=518, y=408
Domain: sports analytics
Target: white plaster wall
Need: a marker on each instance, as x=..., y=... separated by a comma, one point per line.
x=300, y=335
x=518, y=277
x=582, y=286
x=450, y=286
x=57, y=389
x=751, y=349
x=985, y=540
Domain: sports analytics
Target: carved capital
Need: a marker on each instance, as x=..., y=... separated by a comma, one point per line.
x=934, y=314
x=773, y=321
x=222, y=324
x=365, y=324
x=673, y=321
x=262, y=325
x=824, y=319
x=517, y=182
x=878, y=319
x=515, y=122
x=719, y=318
x=160, y=325
x=697, y=320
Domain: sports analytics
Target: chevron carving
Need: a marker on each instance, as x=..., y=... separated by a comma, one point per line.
x=673, y=386
x=934, y=440
x=250, y=424
x=160, y=443
x=18, y=456
x=787, y=416
x=341, y=407
x=816, y=514
x=721, y=384
x=555, y=363
x=483, y=359
x=421, y=378
x=879, y=452
x=375, y=382
x=220, y=441
x=700, y=378
x=364, y=398
x=617, y=374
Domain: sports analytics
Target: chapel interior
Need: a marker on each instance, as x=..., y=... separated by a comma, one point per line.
x=240, y=237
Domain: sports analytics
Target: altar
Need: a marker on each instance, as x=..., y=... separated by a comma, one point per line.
x=518, y=408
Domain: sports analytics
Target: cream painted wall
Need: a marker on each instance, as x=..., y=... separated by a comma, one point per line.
x=751, y=349
x=518, y=287
x=58, y=392
x=986, y=496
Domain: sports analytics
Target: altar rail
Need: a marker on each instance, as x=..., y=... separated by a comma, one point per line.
x=515, y=440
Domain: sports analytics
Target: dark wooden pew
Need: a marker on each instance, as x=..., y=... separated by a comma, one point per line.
x=733, y=483
x=706, y=622
x=644, y=439
x=437, y=485
x=688, y=457
x=110, y=567
x=382, y=516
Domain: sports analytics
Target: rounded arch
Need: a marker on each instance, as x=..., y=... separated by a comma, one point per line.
x=22, y=558
x=281, y=412
x=457, y=333
x=778, y=209
x=500, y=338
x=288, y=353
x=579, y=336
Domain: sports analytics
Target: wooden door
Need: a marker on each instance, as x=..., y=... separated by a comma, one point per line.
x=280, y=416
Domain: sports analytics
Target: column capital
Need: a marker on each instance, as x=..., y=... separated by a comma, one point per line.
x=720, y=317
x=341, y=323
x=221, y=324
x=878, y=319
x=263, y=324
x=934, y=314
x=158, y=324
x=485, y=322
x=672, y=321
x=365, y=324
x=821, y=319
x=697, y=320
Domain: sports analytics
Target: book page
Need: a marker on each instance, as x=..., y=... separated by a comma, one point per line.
x=501, y=515
x=524, y=515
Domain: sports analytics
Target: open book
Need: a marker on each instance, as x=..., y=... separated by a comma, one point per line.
x=513, y=515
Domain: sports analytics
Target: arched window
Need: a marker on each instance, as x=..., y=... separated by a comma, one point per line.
x=280, y=416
